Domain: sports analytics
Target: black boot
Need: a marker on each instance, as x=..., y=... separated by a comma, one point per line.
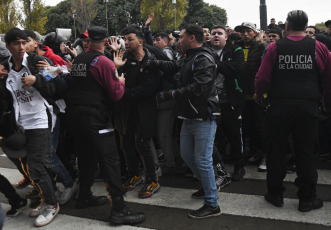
x=85, y=202
x=120, y=214
x=238, y=173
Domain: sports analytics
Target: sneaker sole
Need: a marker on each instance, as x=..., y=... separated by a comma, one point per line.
x=116, y=221
x=49, y=221
x=203, y=217
x=309, y=209
x=223, y=186
x=21, y=209
x=150, y=194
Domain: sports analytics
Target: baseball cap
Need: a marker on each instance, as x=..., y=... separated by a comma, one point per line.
x=14, y=145
x=83, y=35
x=245, y=25
x=97, y=33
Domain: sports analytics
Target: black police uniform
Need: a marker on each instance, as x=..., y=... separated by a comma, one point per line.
x=294, y=94
x=89, y=112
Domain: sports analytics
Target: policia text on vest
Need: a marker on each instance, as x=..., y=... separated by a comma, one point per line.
x=295, y=62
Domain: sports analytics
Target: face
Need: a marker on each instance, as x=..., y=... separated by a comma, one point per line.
x=17, y=48
x=310, y=32
x=159, y=42
x=218, y=38
x=247, y=34
x=272, y=21
x=132, y=43
x=266, y=38
x=63, y=47
x=206, y=35
x=184, y=40
x=172, y=39
x=86, y=43
x=31, y=45
x=273, y=37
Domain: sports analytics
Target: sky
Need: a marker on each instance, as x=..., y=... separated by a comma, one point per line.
x=239, y=11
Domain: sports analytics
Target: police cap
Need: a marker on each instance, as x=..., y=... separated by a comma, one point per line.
x=97, y=33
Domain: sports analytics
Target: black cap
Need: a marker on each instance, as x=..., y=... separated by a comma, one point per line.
x=327, y=23
x=97, y=33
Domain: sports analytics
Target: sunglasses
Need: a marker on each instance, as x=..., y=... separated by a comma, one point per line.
x=272, y=36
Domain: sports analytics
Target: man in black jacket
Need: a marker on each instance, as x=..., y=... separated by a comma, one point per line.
x=197, y=104
x=253, y=113
x=137, y=111
x=230, y=63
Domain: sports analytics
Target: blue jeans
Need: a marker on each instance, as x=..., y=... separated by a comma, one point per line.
x=196, y=145
x=53, y=164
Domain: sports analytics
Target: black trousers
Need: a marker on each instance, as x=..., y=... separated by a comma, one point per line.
x=300, y=119
x=95, y=144
x=253, y=119
x=38, y=142
x=230, y=124
x=132, y=141
x=8, y=190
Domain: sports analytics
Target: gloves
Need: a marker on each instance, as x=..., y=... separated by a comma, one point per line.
x=164, y=96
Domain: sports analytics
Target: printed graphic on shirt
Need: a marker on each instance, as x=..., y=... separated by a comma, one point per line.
x=295, y=62
x=23, y=96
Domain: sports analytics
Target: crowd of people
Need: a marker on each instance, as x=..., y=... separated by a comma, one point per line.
x=127, y=109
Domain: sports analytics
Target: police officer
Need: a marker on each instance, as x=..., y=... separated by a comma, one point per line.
x=94, y=86
x=292, y=70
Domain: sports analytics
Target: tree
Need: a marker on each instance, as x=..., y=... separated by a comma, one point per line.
x=33, y=11
x=164, y=13
x=86, y=11
x=202, y=13
x=321, y=26
x=8, y=16
x=59, y=16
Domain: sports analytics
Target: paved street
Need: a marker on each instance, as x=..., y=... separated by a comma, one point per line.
x=242, y=205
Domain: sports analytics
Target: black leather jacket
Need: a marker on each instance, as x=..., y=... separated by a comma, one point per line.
x=196, y=96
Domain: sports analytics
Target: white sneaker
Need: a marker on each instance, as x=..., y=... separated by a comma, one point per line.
x=263, y=165
x=67, y=194
x=47, y=215
x=38, y=210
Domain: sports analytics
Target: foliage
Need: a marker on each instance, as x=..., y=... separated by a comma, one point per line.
x=59, y=16
x=321, y=26
x=86, y=11
x=8, y=16
x=120, y=14
x=32, y=11
x=164, y=12
x=202, y=13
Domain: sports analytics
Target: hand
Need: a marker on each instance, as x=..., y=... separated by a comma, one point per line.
x=28, y=81
x=42, y=65
x=149, y=20
x=122, y=79
x=118, y=58
x=114, y=45
x=259, y=37
x=165, y=96
x=3, y=72
x=72, y=52
x=69, y=64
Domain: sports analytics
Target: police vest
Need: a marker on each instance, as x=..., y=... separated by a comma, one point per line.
x=295, y=74
x=85, y=90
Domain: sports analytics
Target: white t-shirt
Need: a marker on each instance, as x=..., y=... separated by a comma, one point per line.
x=32, y=109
